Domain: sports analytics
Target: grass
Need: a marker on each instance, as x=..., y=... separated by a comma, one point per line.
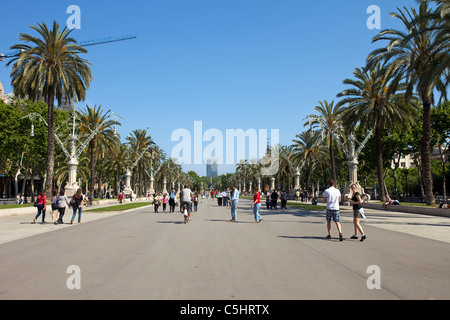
x=306, y=206
x=13, y=206
x=121, y=207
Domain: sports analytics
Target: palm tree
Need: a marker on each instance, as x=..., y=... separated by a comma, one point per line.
x=329, y=118
x=372, y=103
x=50, y=68
x=139, y=142
x=414, y=56
x=117, y=161
x=305, y=149
x=90, y=120
x=439, y=72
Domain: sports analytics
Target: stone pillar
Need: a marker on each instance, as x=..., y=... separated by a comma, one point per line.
x=164, y=185
x=297, y=180
x=72, y=185
x=127, y=190
x=272, y=183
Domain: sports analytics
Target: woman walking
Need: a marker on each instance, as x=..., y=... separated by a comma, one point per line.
x=62, y=203
x=164, y=202
x=41, y=204
x=54, y=205
x=156, y=201
x=256, y=205
x=356, y=202
x=77, y=205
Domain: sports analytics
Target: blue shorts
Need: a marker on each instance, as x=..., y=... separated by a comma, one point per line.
x=332, y=214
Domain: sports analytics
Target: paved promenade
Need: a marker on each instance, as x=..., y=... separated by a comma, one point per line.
x=142, y=255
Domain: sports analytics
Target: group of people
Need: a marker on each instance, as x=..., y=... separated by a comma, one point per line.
x=332, y=197
x=232, y=198
x=272, y=199
x=59, y=203
x=172, y=200
x=223, y=197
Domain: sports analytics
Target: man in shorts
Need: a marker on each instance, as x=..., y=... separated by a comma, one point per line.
x=332, y=197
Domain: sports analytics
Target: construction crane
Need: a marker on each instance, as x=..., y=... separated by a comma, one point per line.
x=89, y=43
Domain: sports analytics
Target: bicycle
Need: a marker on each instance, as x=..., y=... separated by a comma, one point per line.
x=185, y=213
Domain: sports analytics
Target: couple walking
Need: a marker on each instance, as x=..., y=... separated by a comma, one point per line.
x=256, y=205
x=332, y=197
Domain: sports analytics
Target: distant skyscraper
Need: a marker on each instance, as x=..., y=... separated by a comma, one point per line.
x=211, y=168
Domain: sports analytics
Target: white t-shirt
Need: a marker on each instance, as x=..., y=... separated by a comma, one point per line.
x=332, y=194
x=186, y=195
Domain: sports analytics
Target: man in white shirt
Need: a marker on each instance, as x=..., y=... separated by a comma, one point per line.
x=186, y=199
x=332, y=197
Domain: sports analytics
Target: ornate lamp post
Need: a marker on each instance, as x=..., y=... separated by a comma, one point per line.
x=74, y=153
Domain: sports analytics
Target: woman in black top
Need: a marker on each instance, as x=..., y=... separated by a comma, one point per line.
x=356, y=202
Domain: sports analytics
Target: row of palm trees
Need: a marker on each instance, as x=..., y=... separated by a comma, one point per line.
x=413, y=65
x=107, y=158
x=399, y=78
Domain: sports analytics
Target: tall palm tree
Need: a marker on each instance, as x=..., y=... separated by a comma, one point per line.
x=117, y=161
x=50, y=68
x=439, y=70
x=90, y=120
x=328, y=118
x=140, y=141
x=413, y=56
x=372, y=103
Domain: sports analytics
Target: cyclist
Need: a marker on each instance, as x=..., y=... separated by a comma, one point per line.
x=186, y=199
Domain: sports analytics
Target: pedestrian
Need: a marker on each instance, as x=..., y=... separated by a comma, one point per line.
x=54, y=205
x=156, y=201
x=283, y=200
x=332, y=197
x=172, y=197
x=219, y=197
x=61, y=204
x=274, y=198
x=256, y=205
x=164, y=202
x=356, y=202
x=77, y=205
x=120, y=197
x=225, y=198
x=41, y=203
x=195, y=202
x=234, y=203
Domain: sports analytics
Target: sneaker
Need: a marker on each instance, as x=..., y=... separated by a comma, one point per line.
x=328, y=237
x=340, y=237
x=354, y=237
x=363, y=238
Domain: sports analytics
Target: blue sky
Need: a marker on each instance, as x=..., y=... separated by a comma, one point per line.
x=250, y=64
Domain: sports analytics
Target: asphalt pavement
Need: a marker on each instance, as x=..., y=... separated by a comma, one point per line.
x=140, y=254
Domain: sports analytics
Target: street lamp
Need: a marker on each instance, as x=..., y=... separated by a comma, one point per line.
x=74, y=153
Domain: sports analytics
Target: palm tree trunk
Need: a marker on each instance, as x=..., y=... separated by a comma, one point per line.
x=50, y=142
x=379, y=159
x=116, y=182
x=93, y=146
x=333, y=166
x=425, y=153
